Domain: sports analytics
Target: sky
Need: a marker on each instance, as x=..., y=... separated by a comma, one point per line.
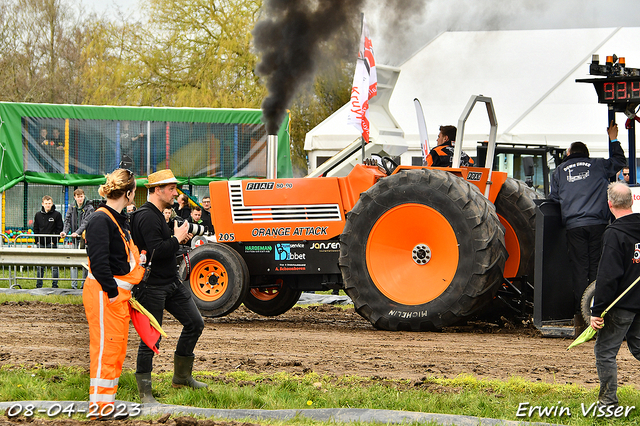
x=399, y=31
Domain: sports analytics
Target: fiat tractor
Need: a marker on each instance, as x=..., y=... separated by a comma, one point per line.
x=415, y=248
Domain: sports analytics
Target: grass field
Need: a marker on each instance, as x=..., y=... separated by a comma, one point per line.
x=465, y=395
x=513, y=399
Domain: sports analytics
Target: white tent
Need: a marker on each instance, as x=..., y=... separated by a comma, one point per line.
x=530, y=76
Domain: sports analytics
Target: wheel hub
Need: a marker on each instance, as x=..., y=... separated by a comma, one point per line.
x=213, y=280
x=421, y=254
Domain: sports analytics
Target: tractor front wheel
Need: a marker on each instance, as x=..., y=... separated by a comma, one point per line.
x=219, y=279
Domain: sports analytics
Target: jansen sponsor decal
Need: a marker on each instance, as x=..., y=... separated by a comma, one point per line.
x=331, y=246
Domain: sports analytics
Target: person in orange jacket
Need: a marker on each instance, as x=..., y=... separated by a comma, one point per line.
x=442, y=155
x=113, y=271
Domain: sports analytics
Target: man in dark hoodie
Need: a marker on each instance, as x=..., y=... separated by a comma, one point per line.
x=76, y=221
x=619, y=267
x=77, y=218
x=579, y=184
x=47, y=221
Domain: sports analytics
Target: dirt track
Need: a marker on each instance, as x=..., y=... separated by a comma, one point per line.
x=323, y=339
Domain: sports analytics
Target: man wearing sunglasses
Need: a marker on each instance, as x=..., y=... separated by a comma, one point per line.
x=624, y=175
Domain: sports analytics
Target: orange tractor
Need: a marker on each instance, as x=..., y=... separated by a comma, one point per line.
x=415, y=248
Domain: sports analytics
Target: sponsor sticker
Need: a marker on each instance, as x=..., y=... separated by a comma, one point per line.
x=259, y=186
x=474, y=176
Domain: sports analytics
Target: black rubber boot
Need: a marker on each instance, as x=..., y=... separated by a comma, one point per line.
x=144, y=388
x=182, y=368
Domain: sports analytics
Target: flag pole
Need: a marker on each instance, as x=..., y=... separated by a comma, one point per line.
x=362, y=142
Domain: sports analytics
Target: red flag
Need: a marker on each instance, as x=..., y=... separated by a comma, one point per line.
x=365, y=85
x=148, y=334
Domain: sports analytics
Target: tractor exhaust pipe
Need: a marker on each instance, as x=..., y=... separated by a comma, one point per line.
x=272, y=156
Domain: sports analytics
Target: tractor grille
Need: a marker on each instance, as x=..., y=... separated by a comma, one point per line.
x=304, y=212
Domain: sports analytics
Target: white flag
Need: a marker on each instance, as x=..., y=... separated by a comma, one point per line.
x=422, y=131
x=365, y=85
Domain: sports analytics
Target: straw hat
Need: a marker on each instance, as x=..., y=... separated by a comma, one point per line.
x=162, y=177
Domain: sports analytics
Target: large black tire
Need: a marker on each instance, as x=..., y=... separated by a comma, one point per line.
x=219, y=279
x=273, y=300
x=587, y=301
x=421, y=250
x=515, y=206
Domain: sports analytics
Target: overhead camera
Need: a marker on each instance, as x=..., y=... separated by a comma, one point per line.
x=194, y=228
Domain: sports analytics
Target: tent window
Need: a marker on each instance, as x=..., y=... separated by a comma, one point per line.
x=320, y=160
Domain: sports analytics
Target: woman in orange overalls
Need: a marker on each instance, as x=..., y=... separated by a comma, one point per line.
x=113, y=271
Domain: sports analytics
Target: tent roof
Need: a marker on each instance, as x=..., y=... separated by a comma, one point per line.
x=529, y=74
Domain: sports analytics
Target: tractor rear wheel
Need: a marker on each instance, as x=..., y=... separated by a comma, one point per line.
x=421, y=250
x=272, y=300
x=219, y=279
x=517, y=213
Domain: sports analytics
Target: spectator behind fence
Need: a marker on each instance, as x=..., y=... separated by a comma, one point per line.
x=56, y=143
x=76, y=220
x=206, y=214
x=47, y=221
x=130, y=140
x=56, y=139
x=43, y=139
x=130, y=209
x=182, y=207
x=169, y=214
x=196, y=215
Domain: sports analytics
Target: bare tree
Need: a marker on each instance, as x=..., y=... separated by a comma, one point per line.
x=40, y=50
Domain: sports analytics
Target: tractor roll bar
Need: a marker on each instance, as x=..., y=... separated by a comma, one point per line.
x=491, y=146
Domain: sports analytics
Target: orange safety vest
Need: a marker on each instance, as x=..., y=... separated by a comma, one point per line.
x=109, y=326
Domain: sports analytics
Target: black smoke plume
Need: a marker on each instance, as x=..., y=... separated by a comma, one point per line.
x=288, y=38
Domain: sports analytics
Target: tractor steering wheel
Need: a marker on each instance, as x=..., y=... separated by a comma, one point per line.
x=388, y=165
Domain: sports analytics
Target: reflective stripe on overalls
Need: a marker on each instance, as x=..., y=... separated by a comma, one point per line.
x=109, y=325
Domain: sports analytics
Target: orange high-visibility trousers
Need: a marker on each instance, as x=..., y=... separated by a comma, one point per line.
x=108, y=334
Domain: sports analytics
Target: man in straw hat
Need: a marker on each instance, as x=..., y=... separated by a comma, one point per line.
x=618, y=269
x=163, y=289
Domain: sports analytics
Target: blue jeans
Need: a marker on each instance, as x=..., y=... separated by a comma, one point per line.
x=41, y=270
x=78, y=243
x=618, y=324
x=176, y=299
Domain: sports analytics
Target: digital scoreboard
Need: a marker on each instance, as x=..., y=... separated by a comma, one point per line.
x=616, y=90
x=620, y=87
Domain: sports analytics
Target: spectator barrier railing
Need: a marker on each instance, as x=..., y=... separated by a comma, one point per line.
x=21, y=258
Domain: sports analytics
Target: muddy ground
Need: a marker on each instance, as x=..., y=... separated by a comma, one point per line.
x=324, y=339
